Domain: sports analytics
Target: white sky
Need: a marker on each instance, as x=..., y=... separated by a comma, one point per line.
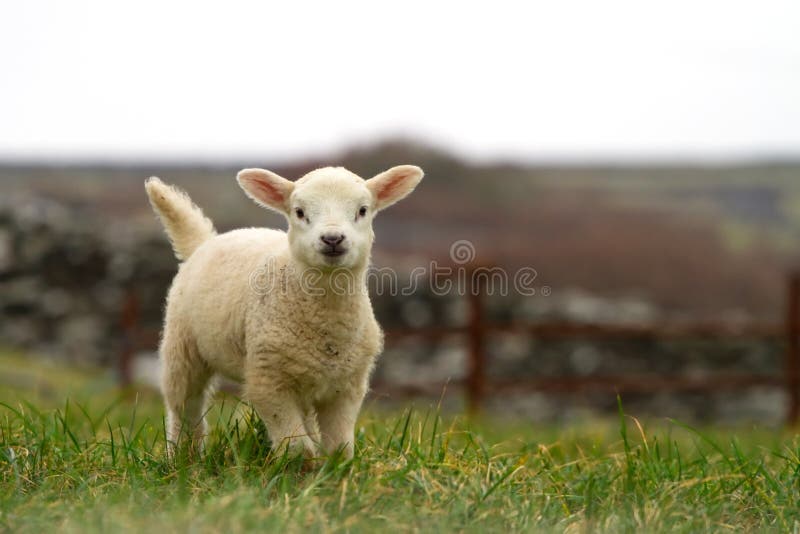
x=525, y=80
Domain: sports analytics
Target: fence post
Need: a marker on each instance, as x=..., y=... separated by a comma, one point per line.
x=476, y=377
x=793, y=349
x=129, y=319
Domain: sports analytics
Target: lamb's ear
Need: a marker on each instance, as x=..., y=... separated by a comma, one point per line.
x=266, y=188
x=390, y=186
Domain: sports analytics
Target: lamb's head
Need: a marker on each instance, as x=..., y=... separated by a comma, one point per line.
x=330, y=210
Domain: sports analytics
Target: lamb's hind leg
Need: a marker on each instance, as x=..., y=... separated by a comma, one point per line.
x=185, y=388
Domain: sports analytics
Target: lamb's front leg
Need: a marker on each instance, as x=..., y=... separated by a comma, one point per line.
x=283, y=416
x=285, y=423
x=337, y=420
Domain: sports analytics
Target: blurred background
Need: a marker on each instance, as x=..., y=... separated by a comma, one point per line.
x=644, y=160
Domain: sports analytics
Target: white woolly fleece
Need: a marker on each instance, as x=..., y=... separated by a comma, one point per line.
x=260, y=306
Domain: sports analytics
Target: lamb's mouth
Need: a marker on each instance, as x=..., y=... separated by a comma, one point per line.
x=333, y=252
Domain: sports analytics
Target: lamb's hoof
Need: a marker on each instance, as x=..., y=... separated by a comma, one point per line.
x=311, y=465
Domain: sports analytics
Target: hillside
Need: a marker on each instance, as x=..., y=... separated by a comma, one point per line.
x=700, y=239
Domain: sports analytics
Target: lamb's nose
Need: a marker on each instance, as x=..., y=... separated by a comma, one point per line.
x=332, y=239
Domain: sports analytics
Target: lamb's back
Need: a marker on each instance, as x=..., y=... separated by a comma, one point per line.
x=211, y=291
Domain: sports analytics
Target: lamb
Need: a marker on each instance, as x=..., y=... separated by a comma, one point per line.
x=302, y=342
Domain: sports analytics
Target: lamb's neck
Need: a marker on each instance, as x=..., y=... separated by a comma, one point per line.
x=330, y=288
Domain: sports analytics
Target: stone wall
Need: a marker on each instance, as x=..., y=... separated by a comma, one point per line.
x=64, y=278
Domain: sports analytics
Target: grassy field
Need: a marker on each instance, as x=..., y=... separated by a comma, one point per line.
x=96, y=463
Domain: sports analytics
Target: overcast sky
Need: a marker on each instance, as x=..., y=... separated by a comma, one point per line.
x=523, y=80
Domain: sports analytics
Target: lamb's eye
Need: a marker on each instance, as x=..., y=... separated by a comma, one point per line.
x=362, y=211
x=299, y=212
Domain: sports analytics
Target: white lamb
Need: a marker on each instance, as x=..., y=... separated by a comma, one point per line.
x=272, y=309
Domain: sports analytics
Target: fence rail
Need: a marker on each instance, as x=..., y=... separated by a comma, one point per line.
x=477, y=385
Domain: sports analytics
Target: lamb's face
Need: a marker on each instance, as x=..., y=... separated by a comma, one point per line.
x=330, y=210
x=330, y=219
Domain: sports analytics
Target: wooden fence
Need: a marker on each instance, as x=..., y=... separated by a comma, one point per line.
x=477, y=385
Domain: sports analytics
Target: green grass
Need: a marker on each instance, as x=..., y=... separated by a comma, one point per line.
x=99, y=465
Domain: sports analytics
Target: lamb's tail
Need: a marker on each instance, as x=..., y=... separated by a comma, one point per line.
x=185, y=224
